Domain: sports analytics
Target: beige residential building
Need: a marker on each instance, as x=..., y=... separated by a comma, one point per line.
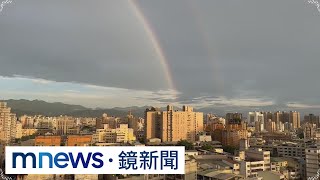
x=173, y=125
x=13, y=126
x=66, y=125
x=278, y=119
x=122, y=134
x=27, y=121
x=28, y=132
x=18, y=130
x=7, y=123
x=294, y=118
x=289, y=167
x=309, y=131
x=270, y=126
x=253, y=161
x=152, y=127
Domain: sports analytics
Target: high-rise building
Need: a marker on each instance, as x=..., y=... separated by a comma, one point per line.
x=153, y=118
x=312, y=119
x=231, y=116
x=282, y=118
x=278, y=119
x=267, y=116
x=308, y=131
x=7, y=123
x=135, y=123
x=231, y=134
x=270, y=126
x=256, y=119
x=294, y=118
x=213, y=119
x=132, y=122
x=213, y=122
x=285, y=117
x=173, y=125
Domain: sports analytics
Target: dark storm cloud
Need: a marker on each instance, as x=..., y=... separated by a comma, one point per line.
x=234, y=49
x=253, y=48
x=99, y=43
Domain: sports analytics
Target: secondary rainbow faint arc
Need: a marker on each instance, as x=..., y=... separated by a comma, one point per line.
x=155, y=43
x=208, y=45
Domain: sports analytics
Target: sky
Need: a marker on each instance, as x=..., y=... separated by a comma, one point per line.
x=134, y=53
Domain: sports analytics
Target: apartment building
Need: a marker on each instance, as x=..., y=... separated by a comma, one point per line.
x=66, y=125
x=7, y=123
x=312, y=161
x=231, y=134
x=285, y=149
x=291, y=149
x=256, y=119
x=253, y=161
x=122, y=134
x=173, y=125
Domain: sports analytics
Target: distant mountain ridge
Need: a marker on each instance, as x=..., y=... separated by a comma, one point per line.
x=35, y=107
x=39, y=107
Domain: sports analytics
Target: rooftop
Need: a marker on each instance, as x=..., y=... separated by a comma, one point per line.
x=218, y=174
x=231, y=161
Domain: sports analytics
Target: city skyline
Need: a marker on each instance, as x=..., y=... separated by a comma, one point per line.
x=117, y=54
x=283, y=149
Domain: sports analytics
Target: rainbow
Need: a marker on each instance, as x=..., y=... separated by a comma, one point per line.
x=155, y=43
x=207, y=40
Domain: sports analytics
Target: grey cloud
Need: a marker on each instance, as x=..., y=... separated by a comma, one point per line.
x=99, y=43
x=237, y=49
x=266, y=48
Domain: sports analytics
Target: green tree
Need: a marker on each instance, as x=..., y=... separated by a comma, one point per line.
x=25, y=138
x=229, y=149
x=207, y=147
x=188, y=145
x=301, y=135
